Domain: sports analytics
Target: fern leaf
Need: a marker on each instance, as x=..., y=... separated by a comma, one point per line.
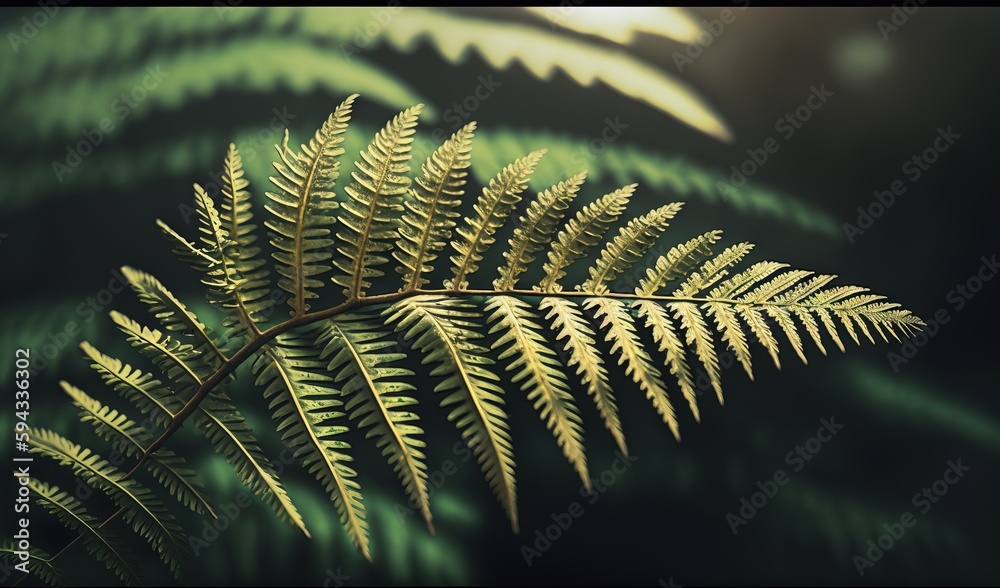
x=541, y=376
x=357, y=349
x=147, y=515
x=712, y=271
x=698, y=336
x=761, y=329
x=302, y=208
x=178, y=361
x=582, y=232
x=744, y=280
x=628, y=247
x=171, y=313
x=445, y=330
x=427, y=223
x=148, y=394
x=39, y=562
x=236, y=216
x=534, y=231
x=101, y=543
x=375, y=195
x=665, y=335
x=677, y=263
x=305, y=412
x=568, y=322
x=625, y=341
x=131, y=439
x=224, y=426
x=495, y=204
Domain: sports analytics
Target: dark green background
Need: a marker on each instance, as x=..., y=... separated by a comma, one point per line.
x=666, y=516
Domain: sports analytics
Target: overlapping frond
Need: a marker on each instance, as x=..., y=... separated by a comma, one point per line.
x=144, y=391
x=569, y=323
x=639, y=365
x=446, y=329
x=539, y=370
x=374, y=198
x=361, y=355
x=535, y=229
x=302, y=208
x=430, y=209
x=628, y=247
x=101, y=543
x=582, y=232
x=306, y=413
x=131, y=439
x=143, y=511
x=39, y=562
x=495, y=204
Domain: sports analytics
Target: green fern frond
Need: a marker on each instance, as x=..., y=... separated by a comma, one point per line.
x=568, y=322
x=101, y=543
x=369, y=227
x=305, y=412
x=534, y=231
x=172, y=314
x=582, y=232
x=665, y=336
x=144, y=391
x=131, y=439
x=179, y=362
x=426, y=225
x=628, y=247
x=677, y=263
x=542, y=376
x=492, y=209
x=302, y=208
x=639, y=366
x=712, y=271
x=39, y=562
x=148, y=516
x=357, y=349
x=445, y=330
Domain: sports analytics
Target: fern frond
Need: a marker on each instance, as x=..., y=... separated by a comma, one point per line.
x=131, y=439
x=677, y=263
x=144, y=391
x=101, y=543
x=665, y=335
x=305, y=412
x=231, y=436
x=568, y=322
x=375, y=195
x=541, y=375
x=712, y=271
x=582, y=232
x=147, y=515
x=628, y=247
x=445, y=329
x=625, y=341
x=302, y=208
x=495, y=204
x=359, y=355
x=39, y=562
x=178, y=361
x=534, y=231
x=236, y=216
x=698, y=336
x=172, y=314
x=426, y=225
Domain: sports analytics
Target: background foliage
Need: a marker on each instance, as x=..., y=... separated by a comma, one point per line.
x=232, y=73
